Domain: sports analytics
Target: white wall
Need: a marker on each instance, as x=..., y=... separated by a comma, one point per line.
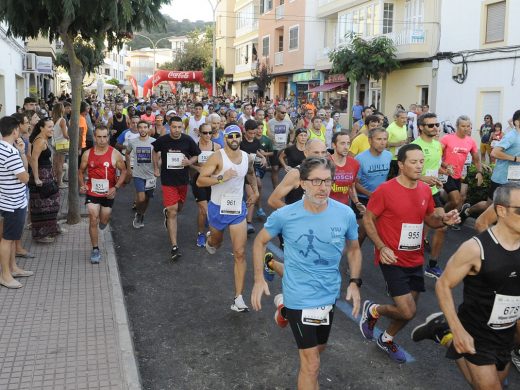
x=12, y=92
x=314, y=32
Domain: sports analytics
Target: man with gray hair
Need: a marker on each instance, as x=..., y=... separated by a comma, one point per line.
x=217, y=136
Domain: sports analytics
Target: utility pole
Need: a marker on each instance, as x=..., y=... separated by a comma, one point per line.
x=214, y=9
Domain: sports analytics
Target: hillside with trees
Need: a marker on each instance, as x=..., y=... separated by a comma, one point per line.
x=173, y=28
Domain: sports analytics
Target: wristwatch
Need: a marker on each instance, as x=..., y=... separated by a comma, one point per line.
x=220, y=179
x=357, y=281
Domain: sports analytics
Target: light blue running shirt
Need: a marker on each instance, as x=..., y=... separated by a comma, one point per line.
x=312, y=252
x=511, y=145
x=373, y=170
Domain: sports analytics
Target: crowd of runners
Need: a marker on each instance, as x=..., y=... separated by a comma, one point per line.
x=401, y=183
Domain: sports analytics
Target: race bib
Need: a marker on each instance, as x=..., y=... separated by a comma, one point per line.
x=203, y=156
x=432, y=172
x=174, y=160
x=443, y=178
x=505, y=313
x=316, y=316
x=280, y=138
x=231, y=204
x=100, y=186
x=411, y=237
x=150, y=183
x=513, y=172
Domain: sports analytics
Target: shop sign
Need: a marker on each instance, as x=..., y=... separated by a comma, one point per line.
x=306, y=76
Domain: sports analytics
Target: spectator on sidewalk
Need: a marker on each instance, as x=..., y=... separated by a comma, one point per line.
x=44, y=203
x=13, y=199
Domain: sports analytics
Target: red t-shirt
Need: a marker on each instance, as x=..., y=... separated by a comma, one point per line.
x=400, y=213
x=344, y=178
x=456, y=152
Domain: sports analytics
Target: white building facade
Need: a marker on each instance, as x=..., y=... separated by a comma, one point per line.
x=13, y=86
x=480, y=73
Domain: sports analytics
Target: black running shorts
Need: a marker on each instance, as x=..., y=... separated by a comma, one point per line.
x=308, y=336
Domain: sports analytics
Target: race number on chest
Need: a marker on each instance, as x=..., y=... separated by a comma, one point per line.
x=174, y=160
x=231, y=204
x=411, y=236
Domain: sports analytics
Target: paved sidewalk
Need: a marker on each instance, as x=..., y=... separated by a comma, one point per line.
x=67, y=327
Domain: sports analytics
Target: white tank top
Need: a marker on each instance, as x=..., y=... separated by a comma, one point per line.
x=235, y=185
x=193, y=126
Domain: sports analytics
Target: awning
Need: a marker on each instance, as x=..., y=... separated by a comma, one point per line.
x=327, y=87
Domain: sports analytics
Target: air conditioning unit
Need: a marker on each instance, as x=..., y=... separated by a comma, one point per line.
x=30, y=61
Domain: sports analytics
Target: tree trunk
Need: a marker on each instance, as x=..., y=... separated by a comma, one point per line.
x=76, y=79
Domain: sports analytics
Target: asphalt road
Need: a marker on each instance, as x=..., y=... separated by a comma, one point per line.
x=186, y=336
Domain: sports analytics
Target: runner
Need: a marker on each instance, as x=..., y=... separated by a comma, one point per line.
x=428, y=131
x=394, y=221
x=202, y=195
x=346, y=170
x=316, y=230
x=139, y=150
x=225, y=172
x=118, y=123
x=266, y=147
x=374, y=165
x=361, y=142
x=480, y=336
x=293, y=155
x=397, y=137
x=194, y=122
x=100, y=162
x=177, y=151
x=281, y=132
x=316, y=130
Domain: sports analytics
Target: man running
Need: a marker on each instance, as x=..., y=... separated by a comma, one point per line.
x=194, y=122
x=480, y=336
x=374, y=165
x=139, y=150
x=101, y=163
x=177, y=152
x=281, y=132
x=397, y=137
x=396, y=213
x=311, y=281
x=202, y=195
x=225, y=172
x=432, y=149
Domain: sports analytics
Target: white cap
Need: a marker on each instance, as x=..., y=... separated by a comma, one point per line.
x=171, y=112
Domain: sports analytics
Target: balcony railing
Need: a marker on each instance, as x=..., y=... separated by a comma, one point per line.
x=278, y=58
x=280, y=11
x=408, y=36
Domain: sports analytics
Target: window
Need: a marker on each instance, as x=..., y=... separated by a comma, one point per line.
x=266, y=6
x=294, y=38
x=424, y=95
x=414, y=11
x=280, y=42
x=265, y=46
x=246, y=18
x=388, y=18
x=107, y=71
x=495, y=22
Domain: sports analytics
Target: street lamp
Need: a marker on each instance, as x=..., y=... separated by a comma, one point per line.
x=154, y=46
x=214, y=9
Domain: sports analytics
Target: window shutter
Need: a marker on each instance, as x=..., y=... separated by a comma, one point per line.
x=495, y=24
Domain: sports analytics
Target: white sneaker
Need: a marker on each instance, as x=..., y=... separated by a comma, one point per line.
x=210, y=249
x=239, y=305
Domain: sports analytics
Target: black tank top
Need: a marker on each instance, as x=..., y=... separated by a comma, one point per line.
x=45, y=158
x=119, y=126
x=499, y=276
x=294, y=195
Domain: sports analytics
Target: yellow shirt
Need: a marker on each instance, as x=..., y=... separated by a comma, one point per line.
x=321, y=136
x=396, y=134
x=360, y=144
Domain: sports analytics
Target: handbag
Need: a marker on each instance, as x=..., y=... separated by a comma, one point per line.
x=62, y=145
x=48, y=189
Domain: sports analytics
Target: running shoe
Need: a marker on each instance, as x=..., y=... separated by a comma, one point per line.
x=239, y=305
x=463, y=215
x=280, y=320
x=174, y=253
x=268, y=272
x=136, y=223
x=434, y=328
x=141, y=220
x=201, y=240
x=210, y=249
x=165, y=213
x=260, y=214
x=95, y=256
x=515, y=357
x=433, y=272
x=392, y=349
x=250, y=228
x=367, y=322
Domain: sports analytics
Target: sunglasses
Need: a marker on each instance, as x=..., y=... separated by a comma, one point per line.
x=205, y=132
x=432, y=125
x=233, y=136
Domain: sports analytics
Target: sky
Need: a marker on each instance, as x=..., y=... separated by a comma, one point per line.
x=189, y=9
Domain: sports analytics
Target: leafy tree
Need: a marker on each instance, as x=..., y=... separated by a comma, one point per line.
x=166, y=66
x=262, y=76
x=364, y=59
x=196, y=54
x=208, y=73
x=96, y=21
x=113, y=82
x=87, y=54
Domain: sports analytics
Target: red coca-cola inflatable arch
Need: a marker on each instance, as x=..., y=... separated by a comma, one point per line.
x=173, y=75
